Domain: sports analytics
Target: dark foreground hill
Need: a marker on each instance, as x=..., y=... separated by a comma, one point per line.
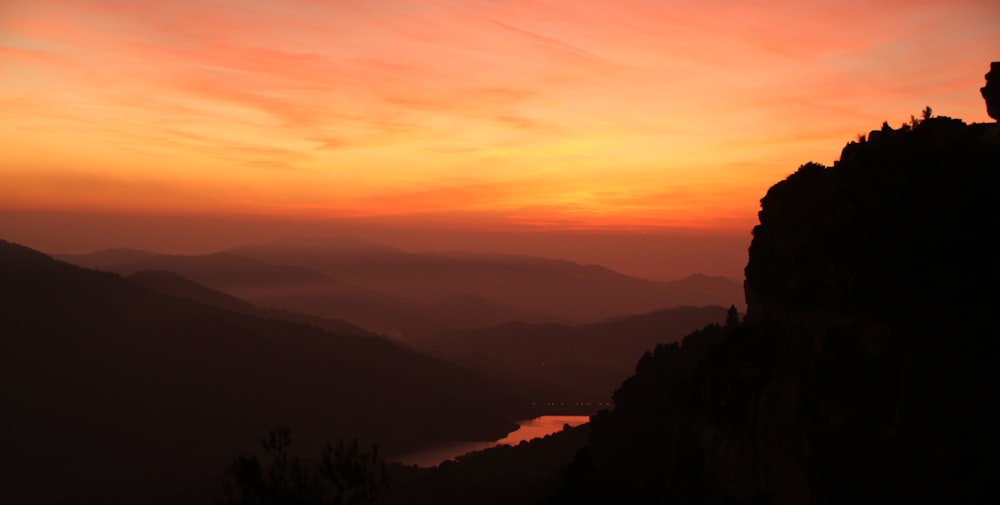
x=868, y=368
x=116, y=394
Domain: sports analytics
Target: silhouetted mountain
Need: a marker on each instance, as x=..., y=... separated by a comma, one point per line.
x=100, y=259
x=867, y=369
x=223, y=271
x=409, y=295
x=173, y=284
x=290, y=288
x=566, y=291
x=887, y=232
x=116, y=394
x=568, y=363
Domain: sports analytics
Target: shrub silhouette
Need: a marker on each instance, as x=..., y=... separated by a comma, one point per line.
x=343, y=475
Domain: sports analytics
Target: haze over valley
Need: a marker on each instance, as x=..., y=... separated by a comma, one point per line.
x=218, y=348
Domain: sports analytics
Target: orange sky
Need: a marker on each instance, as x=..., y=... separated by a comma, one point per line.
x=488, y=114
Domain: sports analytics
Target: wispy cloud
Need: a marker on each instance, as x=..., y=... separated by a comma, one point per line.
x=552, y=113
x=558, y=49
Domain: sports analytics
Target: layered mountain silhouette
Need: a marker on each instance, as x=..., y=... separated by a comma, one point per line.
x=114, y=393
x=865, y=370
x=475, y=311
x=292, y=288
x=407, y=295
x=173, y=284
x=559, y=290
x=568, y=364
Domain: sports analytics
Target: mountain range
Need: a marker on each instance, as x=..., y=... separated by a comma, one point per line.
x=864, y=372
x=406, y=295
x=562, y=363
x=113, y=392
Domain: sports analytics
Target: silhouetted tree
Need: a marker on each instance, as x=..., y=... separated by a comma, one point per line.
x=344, y=475
x=732, y=317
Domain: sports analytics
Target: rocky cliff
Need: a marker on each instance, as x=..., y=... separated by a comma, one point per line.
x=901, y=224
x=866, y=369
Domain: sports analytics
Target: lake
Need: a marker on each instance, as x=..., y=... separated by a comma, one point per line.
x=527, y=430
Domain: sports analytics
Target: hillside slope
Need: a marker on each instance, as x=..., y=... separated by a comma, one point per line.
x=563, y=363
x=116, y=394
x=285, y=287
x=173, y=284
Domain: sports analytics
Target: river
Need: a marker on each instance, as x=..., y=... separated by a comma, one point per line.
x=527, y=430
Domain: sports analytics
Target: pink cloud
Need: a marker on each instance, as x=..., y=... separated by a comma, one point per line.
x=412, y=95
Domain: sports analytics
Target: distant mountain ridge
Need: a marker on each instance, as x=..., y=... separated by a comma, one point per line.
x=566, y=291
x=559, y=362
x=173, y=284
x=409, y=295
x=293, y=288
x=230, y=272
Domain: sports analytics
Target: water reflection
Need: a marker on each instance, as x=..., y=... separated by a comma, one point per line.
x=527, y=430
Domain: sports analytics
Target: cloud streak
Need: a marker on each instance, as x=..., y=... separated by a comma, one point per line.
x=597, y=113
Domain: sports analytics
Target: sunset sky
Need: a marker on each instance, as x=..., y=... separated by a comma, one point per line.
x=506, y=115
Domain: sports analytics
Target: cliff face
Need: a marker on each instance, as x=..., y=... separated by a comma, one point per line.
x=875, y=283
x=901, y=224
x=866, y=370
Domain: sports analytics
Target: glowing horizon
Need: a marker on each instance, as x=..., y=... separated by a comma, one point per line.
x=482, y=114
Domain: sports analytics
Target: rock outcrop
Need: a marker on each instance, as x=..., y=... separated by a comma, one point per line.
x=872, y=285
x=898, y=223
x=991, y=92
x=866, y=369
